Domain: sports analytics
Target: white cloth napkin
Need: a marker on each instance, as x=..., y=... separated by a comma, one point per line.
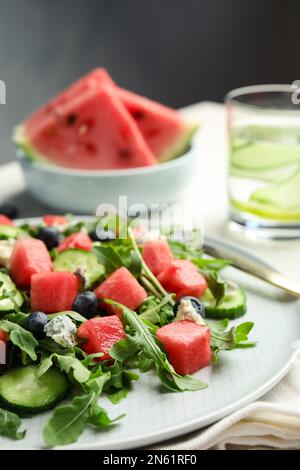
x=274, y=420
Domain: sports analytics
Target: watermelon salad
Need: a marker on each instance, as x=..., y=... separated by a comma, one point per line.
x=96, y=125
x=83, y=313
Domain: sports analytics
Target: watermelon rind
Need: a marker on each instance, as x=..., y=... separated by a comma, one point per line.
x=20, y=139
x=181, y=145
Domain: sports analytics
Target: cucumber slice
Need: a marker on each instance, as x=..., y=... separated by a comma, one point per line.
x=284, y=195
x=265, y=155
x=232, y=306
x=6, y=305
x=82, y=262
x=9, y=231
x=22, y=390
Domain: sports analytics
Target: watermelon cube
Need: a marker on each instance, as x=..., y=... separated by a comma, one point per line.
x=53, y=292
x=157, y=255
x=79, y=240
x=182, y=277
x=30, y=256
x=99, y=334
x=53, y=220
x=187, y=345
x=4, y=220
x=122, y=287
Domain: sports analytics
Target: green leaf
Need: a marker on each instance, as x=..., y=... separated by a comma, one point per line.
x=158, y=312
x=66, y=364
x=20, y=318
x=68, y=421
x=216, y=285
x=108, y=257
x=21, y=338
x=98, y=416
x=89, y=359
x=145, y=341
x=117, y=395
x=223, y=339
x=10, y=424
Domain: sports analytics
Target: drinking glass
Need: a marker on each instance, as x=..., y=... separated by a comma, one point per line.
x=264, y=160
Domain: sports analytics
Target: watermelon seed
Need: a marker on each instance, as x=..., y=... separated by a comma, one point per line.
x=83, y=129
x=138, y=115
x=71, y=119
x=124, y=153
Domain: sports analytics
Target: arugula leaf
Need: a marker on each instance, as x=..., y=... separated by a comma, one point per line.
x=222, y=339
x=66, y=364
x=51, y=346
x=211, y=264
x=156, y=311
x=216, y=285
x=68, y=421
x=144, y=340
x=119, y=383
x=185, y=250
x=99, y=417
x=241, y=335
x=10, y=424
x=117, y=395
x=20, y=318
x=108, y=257
x=21, y=338
x=89, y=359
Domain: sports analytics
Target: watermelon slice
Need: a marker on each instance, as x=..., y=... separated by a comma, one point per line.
x=99, y=334
x=53, y=292
x=91, y=130
x=157, y=255
x=29, y=256
x=187, y=345
x=182, y=278
x=122, y=287
x=166, y=132
x=79, y=240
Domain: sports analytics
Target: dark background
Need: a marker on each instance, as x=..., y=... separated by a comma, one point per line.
x=176, y=51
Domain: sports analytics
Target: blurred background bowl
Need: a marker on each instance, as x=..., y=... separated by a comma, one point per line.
x=81, y=191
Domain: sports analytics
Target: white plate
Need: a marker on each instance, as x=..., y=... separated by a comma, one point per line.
x=240, y=377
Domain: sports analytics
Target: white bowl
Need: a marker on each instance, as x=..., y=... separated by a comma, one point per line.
x=81, y=191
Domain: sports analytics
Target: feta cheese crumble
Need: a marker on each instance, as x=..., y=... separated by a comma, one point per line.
x=62, y=330
x=186, y=311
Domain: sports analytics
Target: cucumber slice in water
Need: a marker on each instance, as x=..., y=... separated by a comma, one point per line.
x=22, y=390
x=7, y=285
x=82, y=262
x=284, y=195
x=232, y=306
x=261, y=156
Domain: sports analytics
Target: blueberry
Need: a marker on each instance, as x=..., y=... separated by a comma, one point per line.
x=50, y=236
x=9, y=210
x=196, y=303
x=35, y=324
x=86, y=304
